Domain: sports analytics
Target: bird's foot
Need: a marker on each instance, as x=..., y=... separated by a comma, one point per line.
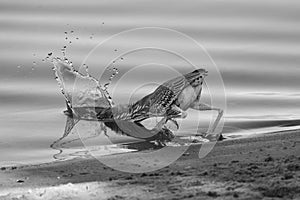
x=162, y=136
x=214, y=137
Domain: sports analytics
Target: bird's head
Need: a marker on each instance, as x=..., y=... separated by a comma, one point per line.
x=196, y=77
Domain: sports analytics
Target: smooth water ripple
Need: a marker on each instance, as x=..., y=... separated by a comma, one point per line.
x=255, y=45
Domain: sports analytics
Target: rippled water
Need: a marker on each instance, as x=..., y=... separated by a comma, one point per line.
x=255, y=45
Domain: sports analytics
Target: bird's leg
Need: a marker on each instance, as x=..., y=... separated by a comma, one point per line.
x=179, y=113
x=203, y=107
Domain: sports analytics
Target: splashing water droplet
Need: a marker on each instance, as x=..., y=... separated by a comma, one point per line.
x=115, y=71
x=86, y=67
x=63, y=51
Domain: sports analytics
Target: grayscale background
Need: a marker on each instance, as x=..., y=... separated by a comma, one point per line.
x=255, y=44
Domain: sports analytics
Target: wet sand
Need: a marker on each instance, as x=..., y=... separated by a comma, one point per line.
x=261, y=167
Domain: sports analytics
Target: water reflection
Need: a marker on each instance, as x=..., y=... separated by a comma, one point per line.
x=82, y=136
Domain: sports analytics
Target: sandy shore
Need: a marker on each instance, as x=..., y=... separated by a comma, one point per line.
x=262, y=167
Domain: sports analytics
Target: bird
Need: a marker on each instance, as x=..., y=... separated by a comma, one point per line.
x=170, y=100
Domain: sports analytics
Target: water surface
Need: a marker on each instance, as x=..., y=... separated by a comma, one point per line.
x=255, y=45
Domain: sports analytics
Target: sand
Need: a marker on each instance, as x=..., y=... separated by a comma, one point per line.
x=262, y=167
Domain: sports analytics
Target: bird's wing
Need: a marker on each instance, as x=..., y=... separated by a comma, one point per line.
x=159, y=101
x=166, y=93
x=176, y=85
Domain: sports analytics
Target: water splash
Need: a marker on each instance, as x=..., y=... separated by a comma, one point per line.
x=80, y=91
